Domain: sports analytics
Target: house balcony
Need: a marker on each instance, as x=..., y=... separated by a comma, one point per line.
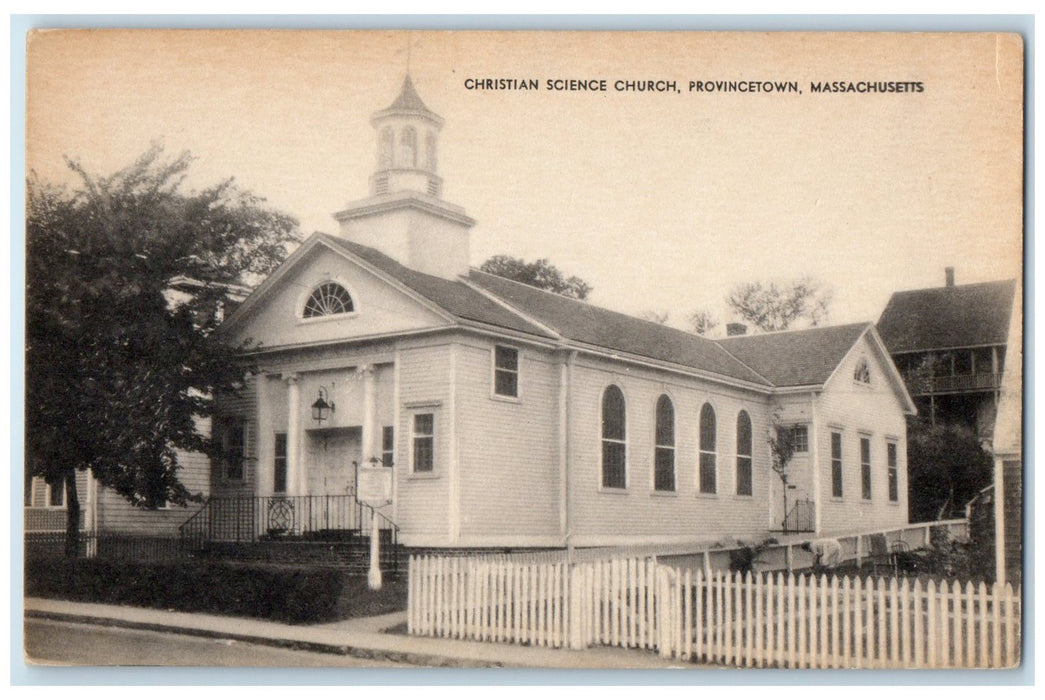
x=952, y=384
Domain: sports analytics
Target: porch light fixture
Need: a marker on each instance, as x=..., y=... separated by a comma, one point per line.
x=321, y=407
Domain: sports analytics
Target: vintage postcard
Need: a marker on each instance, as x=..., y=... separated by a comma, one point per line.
x=524, y=349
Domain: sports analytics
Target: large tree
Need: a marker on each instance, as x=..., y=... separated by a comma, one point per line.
x=119, y=368
x=540, y=274
x=777, y=306
x=946, y=467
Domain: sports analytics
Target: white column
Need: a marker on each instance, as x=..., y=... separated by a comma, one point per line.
x=264, y=442
x=370, y=429
x=295, y=477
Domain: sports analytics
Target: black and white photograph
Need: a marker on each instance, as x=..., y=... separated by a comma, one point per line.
x=670, y=350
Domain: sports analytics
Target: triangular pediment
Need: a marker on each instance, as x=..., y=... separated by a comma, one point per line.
x=274, y=315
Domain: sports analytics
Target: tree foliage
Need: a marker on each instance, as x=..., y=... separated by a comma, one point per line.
x=776, y=306
x=540, y=273
x=702, y=321
x=119, y=370
x=946, y=468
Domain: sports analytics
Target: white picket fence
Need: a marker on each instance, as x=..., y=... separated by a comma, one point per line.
x=807, y=622
x=776, y=620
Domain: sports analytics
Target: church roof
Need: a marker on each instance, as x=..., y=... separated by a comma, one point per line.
x=948, y=317
x=792, y=358
x=409, y=102
x=585, y=323
x=455, y=297
x=796, y=358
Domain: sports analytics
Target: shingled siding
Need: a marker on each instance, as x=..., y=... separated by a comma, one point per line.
x=858, y=410
x=422, y=510
x=508, y=447
x=1013, y=484
x=638, y=514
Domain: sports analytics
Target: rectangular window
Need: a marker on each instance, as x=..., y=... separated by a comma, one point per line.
x=233, y=449
x=894, y=485
x=424, y=442
x=865, y=467
x=279, y=464
x=506, y=371
x=664, y=469
x=836, y=465
x=387, y=445
x=800, y=435
x=56, y=495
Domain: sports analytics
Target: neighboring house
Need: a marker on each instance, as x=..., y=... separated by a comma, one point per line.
x=102, y=510
x=503, y=416
x=950, y=344
x=959, y=347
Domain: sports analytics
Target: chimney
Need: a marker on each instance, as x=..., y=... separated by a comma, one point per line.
x=948, y=273
x=736, y=329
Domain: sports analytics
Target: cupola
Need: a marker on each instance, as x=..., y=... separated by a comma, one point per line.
x=405, y=216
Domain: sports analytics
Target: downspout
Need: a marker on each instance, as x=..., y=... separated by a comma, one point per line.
x=815, y=458
x=565, y=449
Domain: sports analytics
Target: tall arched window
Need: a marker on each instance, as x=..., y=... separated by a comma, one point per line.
x=387, y=146
x=613, y=439
x=408, y=148
x=743, y=454
x=707, y=449
x=664, y=451
x=327, y=299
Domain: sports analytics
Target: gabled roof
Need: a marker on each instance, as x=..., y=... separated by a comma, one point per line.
x=948, y=317
x=454, y=297
x=584, y=323
x=796, y=358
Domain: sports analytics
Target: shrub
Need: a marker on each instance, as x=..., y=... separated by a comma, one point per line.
x=286, y=593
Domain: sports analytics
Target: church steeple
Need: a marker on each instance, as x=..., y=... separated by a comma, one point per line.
x=407, y=146
x=405, y=216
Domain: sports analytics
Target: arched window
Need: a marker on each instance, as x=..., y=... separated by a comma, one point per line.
x=664, y=451
x=862, y=373
x=707, y=449
x=387, y=147
x=743, y=454
x=408, y=148
x=430, y=155
x=613, y=439
x=327, y=299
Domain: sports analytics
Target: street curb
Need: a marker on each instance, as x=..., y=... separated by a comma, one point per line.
x=404, y=657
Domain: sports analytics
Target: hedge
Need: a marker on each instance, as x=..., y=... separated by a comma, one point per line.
x=285, y=593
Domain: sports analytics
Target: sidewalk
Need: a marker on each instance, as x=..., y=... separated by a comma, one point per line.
x=362, y=638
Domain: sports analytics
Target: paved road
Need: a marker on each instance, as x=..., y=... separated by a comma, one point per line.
x=64, y=643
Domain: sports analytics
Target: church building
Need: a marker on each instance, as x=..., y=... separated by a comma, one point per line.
x=500, y=415
x=471, y=411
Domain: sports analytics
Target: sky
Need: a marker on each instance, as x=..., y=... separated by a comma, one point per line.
x=662, y=201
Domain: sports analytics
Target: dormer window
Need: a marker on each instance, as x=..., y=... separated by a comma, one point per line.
x=862, y=373
x=328, y=299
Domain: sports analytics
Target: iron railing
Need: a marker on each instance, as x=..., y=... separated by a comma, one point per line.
x=801, y=517
x=240, y=519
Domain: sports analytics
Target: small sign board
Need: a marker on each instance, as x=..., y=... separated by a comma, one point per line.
x=375, y=485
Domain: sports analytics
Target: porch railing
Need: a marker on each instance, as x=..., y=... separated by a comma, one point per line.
x=236, y=519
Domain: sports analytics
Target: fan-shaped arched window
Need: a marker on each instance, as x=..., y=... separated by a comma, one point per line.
x=743, y=454
x=707, y=450
x=328, y=299
x=664, y=451
x=613, y=439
